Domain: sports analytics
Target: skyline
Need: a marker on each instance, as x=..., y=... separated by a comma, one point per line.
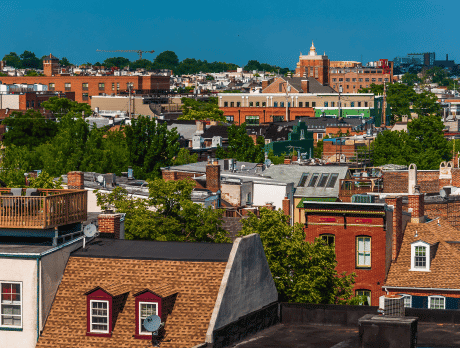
x=262, y=31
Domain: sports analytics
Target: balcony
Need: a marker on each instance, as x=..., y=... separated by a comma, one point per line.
x=350, y=187
x=43, y=209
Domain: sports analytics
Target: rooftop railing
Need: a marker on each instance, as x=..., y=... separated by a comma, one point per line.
x=41, y=209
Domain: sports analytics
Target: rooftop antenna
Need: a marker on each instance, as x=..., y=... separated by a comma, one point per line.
x=152, y=324
x=88, y=232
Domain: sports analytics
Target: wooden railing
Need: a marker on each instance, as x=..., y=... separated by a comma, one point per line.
x=50, y=208
x=350, y=187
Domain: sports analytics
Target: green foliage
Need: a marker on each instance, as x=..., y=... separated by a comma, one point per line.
x=209, y=78
x=411, y=79
x=119, y=62
x=16, y=160
x=184, y=157
x=201, y=110
x=303, y=272
x=28, y=129
x=275, y=159
x=33, y=73
x=26, y=60
x=65, y=62
x=166, y=60
x=255, y=65
x=167, y=215
x=424, y=145
x=3, y=74
x=62, y=106
x=318, y=150
x=45, y=181
x=241, y=146
x=150, y=146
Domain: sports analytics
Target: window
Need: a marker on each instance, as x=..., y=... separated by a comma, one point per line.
x=365, y=104
x=366, y=293
x=407, y=300
x=84, y=96
x=436, y=302
x=300, y=104
x=386, y=79
x=254, y=120
x=360, y=80
x=363, y=252
x=278, y=118
x=101, y=86
x=225, y=104
x=348, y=86
x=380, y=80
x=303, y=179
x=11, y=305
x=146, y=309
x=67, y=86
x=359, y=104
x=354, y=80
x=332, y=104
x=229, y=119
x=275, y=104
x=352, y=104
x=329, y=239
x=257, y=103
x=238, y=104
x=52, y=86
x=334, y=80
x=264, y=104
x=323, y=180
x=113, y=86
x=313, y=104
x=248, y=198
x=302, y=134
x=99, y=316
x=307, y=104
x=367, y=79
x=340, y=80
x=326, y=104
x=420, y=257
x=84, y=86
x=251, y=103
x=347, y=80
x=118, y=86
x=313, y=180
x=282, y=104
x=373, y=80
x=360, y=86
x=27, y=104
x=319, y=136
x=232, y=104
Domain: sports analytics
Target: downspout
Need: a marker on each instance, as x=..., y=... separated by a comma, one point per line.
x=38, y=297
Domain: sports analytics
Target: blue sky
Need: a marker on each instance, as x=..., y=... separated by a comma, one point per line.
x=235, y=31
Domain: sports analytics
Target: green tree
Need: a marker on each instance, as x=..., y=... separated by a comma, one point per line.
x=33, y=73
x=303, y=272
x=167, y=215
x=13, y=60
x=16, y=160
x=119, y=62
x=318, y=150
x=29, y=60
x=201, y=110
x=62, y=106
x=411, y=79
x=166, y=60
x=45, y=181
x=141, y=64
x=184, y=157
x=151, y=146
x=65, y=62
x=252, y=65
x=28, y=129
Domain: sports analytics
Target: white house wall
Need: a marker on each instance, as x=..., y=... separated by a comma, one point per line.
x=25, y=271
x=264, y=193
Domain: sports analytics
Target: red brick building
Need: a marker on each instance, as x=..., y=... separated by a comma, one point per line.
x=313, y=65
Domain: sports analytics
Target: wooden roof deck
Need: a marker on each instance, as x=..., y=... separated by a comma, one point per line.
x=48, y=209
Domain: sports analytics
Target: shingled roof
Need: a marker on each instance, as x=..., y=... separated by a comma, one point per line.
x=445, y=263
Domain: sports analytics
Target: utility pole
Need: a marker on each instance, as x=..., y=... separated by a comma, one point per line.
x=339, y=115
x=384, y=112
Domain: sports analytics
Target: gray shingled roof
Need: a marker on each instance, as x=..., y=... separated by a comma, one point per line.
x=313, y=85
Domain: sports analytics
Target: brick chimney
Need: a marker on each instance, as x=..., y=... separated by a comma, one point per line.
x=287, y=161
x=76, y=180
x=200, y=126
x=417, y=204
x=169, y=175
x=213, y=176
x=304, y=85
x=264, y=84
x=109, y=225
x=398, y=233
x=445, y=174
x=286, y=206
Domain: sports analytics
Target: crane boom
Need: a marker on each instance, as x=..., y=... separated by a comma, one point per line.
x=139, y=52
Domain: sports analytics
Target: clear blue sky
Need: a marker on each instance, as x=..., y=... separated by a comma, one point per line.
x=235, y=31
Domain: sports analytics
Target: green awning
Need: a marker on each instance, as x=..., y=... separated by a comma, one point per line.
x=316, y=199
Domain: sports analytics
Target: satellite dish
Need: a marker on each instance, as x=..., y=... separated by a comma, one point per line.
x=100, y=178
x=152, y=323
x=90, y=230
x=268, y=162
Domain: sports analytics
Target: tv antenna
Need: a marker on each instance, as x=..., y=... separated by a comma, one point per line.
x=88, y=232
x=152, y=324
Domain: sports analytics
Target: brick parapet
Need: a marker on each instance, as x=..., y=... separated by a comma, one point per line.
x=398, y=233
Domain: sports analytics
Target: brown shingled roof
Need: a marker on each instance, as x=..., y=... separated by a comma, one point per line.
x=196, y=283
x=445, y=265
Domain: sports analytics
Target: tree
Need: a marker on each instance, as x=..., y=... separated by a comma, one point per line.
x=184, y=157
x=241, y=146
x=45, y=181
x=119, y=62
x=64, y=62
x=28, y=129
x=141, y=64
x=13, y=60
x=318, y=150
x=33, y=73
x=151, y=146
x=29, y=60
x=252, y=65
x=425, y=104
x=303, y=272
x=201, y=110
x=411, y=79
x=166, y=60
x=62, y=106
x=16, y=160
x=167, y=215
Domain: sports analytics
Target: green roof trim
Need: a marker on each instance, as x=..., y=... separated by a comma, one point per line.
x=315, y=199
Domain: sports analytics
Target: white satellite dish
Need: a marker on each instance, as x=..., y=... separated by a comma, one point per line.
x=100, y=179
x=89, y=231
x=152, y=323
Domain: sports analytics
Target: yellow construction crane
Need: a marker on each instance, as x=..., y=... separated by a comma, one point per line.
x=139, y=52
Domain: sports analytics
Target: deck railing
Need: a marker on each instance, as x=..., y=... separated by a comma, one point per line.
x=47, y=209
x=350, y=187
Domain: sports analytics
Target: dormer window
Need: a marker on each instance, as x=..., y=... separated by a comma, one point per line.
x=420, y=256
x=99, y=316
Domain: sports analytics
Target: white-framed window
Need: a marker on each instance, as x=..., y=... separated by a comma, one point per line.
x=11, y=304
x=146, y=309
x=366, y=293
x=407, y=300
x=436, y=302
x=420, y=256
x=363, y=251
x=99, y=316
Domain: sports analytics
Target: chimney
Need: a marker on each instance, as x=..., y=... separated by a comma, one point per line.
x=304, y=85
x=445, y=174
x=169, y=175
x=417, y=204
x=109, y=226
x=287, y=161
x=75, y=180
x=398, y=233
x=264, y=84
x=286, y=206
x=269, y=206
x=213, y=176
x=412, y=179
x=200, y=127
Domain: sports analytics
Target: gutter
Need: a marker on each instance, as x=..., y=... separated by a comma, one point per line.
x=412, y=288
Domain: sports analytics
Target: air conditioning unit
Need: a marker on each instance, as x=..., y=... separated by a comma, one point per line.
x=392, y=305
x=363, y=199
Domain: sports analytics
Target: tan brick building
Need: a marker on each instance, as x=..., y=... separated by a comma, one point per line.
x=313, y=65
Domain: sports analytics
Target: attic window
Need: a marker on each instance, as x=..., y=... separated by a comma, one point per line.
x=420, y=256
x=99, y=316
x=303, y=179
x=323, y=180
x=313, y=180
x=332, y=180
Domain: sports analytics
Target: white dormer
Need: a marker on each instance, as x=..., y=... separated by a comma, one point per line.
x=420, y=256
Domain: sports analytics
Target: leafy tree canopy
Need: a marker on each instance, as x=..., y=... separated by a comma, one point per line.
x=166, y=60
x=45, y=181
x=13, y=60
x=119, y=62
x=167, y=215
x=303, y=272
x=62, y=106
x=184, y=157
x=64, y=62
x=411, y=79
x=201, y=110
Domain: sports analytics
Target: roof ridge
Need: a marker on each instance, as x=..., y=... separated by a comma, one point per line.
x=443, y=242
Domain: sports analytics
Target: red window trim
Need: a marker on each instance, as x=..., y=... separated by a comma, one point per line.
x=98, y=295
x=149, y=297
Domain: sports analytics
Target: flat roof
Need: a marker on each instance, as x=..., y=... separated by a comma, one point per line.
x=155, y=250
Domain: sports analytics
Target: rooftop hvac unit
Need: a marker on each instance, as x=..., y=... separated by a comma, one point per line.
x=392, y=305
x=362, y=199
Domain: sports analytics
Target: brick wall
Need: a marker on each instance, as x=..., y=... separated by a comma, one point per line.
x=345, y=247
x=265, y=113
x=398, y=233
x=416, y=203
x=213, y=177
x=75, y=180
x=286, y=204
x=398, y=181
x=109, y=225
